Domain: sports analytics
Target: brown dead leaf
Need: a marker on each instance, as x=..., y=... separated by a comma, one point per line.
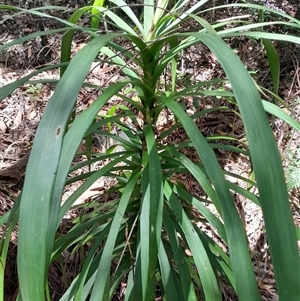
x=268, y=288
x=92, y=191
x=29, y=53
x=188, y=252
x=18, y=119
x=32, y=115
x=3, y=126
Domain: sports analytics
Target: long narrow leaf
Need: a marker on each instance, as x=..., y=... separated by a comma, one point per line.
x=71, y=143
x=128, y=11
x=235, y=232
x=181, y=262
x=148, y=19
x=33, y=248
x=151, y=214
x=102, y=283
x=167, y=273
x=205, y=270
x=268, y=171
x=278, y=112
x=212, y=219
x=274, y=63
x=9, y=88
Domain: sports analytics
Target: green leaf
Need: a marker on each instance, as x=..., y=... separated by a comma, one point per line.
x=181, y=261
x=96, y=15
x=274, y=63
x=8, y=89
x=211, y=218
x=119, y=22
x=33, y=248
x=265, y=160
x=67, y=40
x=168, y=277
x=102, y=281
x=151, y=214
x=278, y=112
x=148, y=19
x=182, y=16
x=5, y=241
x=235, y=232
x=127, y=10
x=259, y=8
x=201, y=178
x=266, y=35
x=71, y=143
x=202, y=262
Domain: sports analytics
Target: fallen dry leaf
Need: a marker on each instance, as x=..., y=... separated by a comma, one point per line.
x=92, y=191
x=18, y=119
x=3, y=126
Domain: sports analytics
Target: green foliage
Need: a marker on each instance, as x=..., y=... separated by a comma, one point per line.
x=293, y=171
x=34, y=91
x=152, y=222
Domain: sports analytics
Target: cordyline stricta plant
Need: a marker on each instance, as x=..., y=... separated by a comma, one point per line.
x=146, y=236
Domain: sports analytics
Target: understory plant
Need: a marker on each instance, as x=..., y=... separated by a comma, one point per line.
x=147, y=235
x=293, y=174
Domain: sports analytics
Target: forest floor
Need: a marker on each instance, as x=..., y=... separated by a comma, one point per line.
x=21, y=112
